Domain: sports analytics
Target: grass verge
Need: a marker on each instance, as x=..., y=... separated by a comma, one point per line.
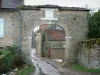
x=82, y=68
x=27, y=70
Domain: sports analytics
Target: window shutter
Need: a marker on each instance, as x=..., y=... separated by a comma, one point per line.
x=43, y=13
x=1, y=27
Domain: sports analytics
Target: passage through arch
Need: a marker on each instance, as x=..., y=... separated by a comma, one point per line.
x=50, y=39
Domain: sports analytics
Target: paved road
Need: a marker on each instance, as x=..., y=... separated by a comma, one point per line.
x=43, y=67
x=48, y=68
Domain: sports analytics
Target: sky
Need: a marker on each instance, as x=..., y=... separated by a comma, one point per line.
x=94, y=4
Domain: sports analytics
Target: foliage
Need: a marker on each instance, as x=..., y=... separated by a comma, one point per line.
x=26, y=70
x=5, y=51
x=94, y=25
x=8, y=62
x=82, y=68
x=14, y=49
x=0, y=53
x=13, y=60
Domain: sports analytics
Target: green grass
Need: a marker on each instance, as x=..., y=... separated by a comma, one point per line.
x=27, y=70
x=82, y=68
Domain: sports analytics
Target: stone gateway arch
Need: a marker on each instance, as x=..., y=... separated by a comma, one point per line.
x=20, y=25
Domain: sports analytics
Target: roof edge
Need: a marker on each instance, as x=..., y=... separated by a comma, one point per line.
x=61, y=8
x=38, y=7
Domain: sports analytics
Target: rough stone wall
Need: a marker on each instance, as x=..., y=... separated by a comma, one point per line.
x=74, y=23
x=89, y=53
x=16, y=22
x=11, y=28
x=8, y=39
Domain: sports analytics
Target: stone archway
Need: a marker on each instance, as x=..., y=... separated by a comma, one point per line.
x=57, y=34
x=27, y=42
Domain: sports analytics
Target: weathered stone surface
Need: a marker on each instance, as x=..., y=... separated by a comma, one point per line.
x=11, y=28
x=73, y=22
x=89, y=55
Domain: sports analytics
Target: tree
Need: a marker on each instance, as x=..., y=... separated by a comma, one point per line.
x=94, y=25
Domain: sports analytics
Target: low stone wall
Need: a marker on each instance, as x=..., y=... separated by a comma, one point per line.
x=89, y=53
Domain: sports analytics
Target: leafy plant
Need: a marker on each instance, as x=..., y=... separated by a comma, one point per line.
x=26, y=70
x=14, y=49
x=94, y=25
x=0, y=53
x=8, y=61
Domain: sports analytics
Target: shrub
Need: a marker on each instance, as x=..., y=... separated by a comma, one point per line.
x=0, y=53
x=14, y=49
x=26, y=70
x=8, y=61
x=94, y=25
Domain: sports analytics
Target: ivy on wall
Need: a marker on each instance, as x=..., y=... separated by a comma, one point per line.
x=90, y=43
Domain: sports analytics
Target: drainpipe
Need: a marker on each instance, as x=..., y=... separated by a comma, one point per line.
x=20, y=32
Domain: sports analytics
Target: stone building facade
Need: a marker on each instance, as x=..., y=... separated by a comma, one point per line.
x=20, y=24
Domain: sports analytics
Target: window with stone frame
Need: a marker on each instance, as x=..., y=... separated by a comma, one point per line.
x=1, y=27
x=49, y=14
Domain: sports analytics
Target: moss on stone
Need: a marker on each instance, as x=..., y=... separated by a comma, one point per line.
x=90, y=43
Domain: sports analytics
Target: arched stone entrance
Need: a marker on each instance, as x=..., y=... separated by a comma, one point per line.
x=28, y=44
x=50, y=41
